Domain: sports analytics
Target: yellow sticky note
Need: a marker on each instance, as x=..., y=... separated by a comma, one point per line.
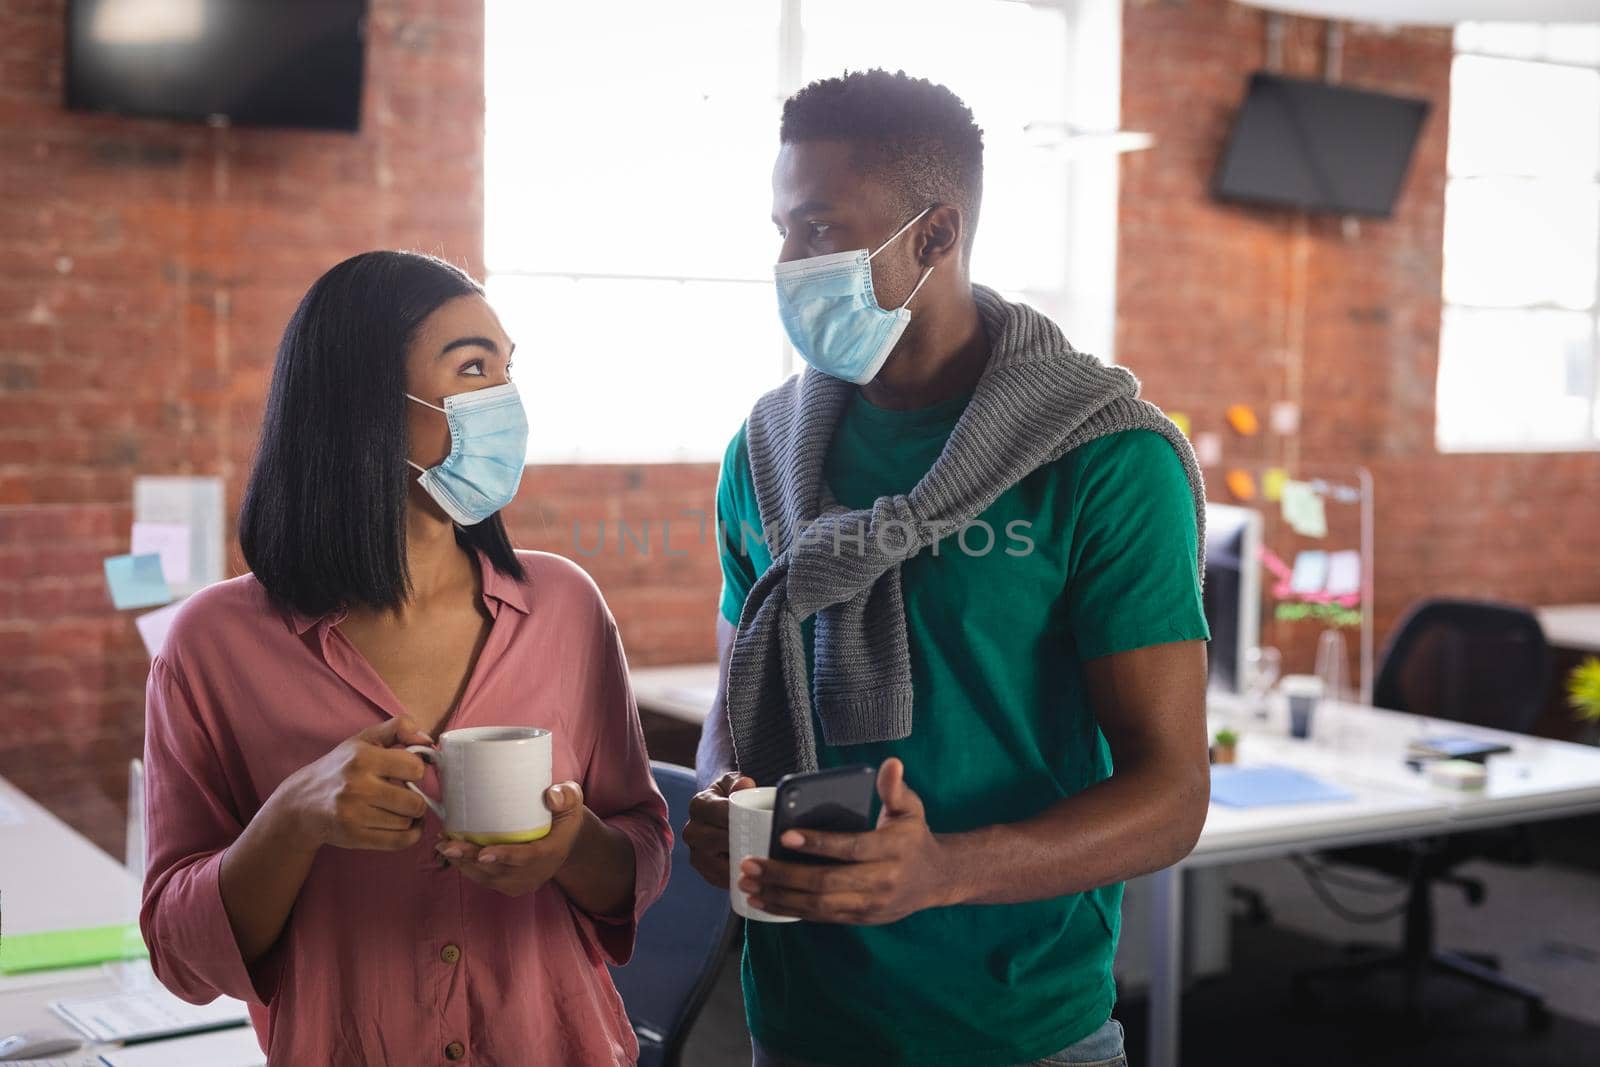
x=1242, y=417
x=1180, y=420
x=1272, y=480
x=1241, y=484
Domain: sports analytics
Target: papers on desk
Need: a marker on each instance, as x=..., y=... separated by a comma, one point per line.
x=225, y=1048
x=1269, y=785
x=146, y=1014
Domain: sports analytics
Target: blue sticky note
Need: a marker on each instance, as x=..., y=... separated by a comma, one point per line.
x=1268, y=785
x=137, y=581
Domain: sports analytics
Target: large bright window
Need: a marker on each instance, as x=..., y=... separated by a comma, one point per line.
x=628, y=158
x=1520, y=341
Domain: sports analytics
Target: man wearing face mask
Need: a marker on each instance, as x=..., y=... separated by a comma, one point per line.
x=960, y=550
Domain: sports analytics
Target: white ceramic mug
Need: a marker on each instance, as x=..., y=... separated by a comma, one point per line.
x=750, y=836
x=494, y=780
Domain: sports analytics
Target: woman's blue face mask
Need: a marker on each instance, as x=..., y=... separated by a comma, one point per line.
x=832, y=316
x=488, y=449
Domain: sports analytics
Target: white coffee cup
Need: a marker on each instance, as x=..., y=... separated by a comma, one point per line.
x=749, y=835
x=494, y=780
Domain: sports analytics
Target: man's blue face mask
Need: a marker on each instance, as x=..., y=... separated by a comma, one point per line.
x=832, y=316
x=488, y=449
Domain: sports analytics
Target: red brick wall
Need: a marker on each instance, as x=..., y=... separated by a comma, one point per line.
x=1222, y=304
x=146, y=271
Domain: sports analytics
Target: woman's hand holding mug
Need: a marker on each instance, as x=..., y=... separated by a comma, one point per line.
x=518, y=868
x=354, y=797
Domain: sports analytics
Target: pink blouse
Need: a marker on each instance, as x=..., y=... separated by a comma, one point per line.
x=387, y=957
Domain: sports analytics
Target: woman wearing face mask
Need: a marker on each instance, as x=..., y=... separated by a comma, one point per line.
x=288, y=864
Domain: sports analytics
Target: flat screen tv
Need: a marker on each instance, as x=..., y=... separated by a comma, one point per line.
x=1319, y=147
x=245, y=62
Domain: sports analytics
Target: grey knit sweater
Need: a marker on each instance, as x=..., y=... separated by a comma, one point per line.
x=1038, y=398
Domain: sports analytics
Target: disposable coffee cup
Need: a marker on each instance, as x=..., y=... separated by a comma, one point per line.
x=1304, y=693
x=493, y=779
x=749, y=837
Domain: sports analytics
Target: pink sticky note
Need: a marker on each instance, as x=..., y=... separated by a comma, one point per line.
x=170, y=541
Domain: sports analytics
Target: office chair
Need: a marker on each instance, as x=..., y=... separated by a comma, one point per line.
x=682, y=941
x=1472, y=662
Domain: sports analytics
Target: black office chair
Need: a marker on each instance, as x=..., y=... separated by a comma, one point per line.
x=681, y=943
x=1471, y=662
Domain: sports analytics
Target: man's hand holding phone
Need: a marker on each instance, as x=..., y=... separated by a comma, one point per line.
x=882, y=875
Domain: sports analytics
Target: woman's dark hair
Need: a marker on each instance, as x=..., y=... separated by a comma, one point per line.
x=323, y=520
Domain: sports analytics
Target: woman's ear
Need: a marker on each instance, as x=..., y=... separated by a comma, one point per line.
x=940, y=235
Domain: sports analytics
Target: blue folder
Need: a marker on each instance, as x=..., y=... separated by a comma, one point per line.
x=1268, y=786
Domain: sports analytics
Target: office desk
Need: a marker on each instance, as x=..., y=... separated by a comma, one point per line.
x=683, y=692
x=1573, y=626
x=54, y=878
x=1363, y=750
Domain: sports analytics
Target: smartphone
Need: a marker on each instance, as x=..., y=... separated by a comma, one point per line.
x=838, y=800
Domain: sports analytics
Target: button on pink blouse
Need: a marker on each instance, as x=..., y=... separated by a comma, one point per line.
x=387, y=957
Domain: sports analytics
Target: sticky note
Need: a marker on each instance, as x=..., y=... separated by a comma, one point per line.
x=170, y=541
x=1302, y=509
x=136, y=581
x=55, y=949
x=1272, y=483
x=1284, y=417
x=1344, y=573
x=1207, y=449
x=1180, y=420
x=153, y=627
x=1242, y=484
x=1242, y=417
x=1310, y=572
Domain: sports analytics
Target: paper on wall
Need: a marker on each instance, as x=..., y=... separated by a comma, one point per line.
x=1208, y=449
x=1303, y=510
x=1310, y=572
x=153, y=627
x=194, y=502
x=169, y=540
x=1344, y=573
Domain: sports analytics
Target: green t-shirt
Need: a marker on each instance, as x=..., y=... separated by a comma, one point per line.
x=1090, y=555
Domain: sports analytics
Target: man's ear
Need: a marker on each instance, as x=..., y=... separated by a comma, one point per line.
x=939, y=236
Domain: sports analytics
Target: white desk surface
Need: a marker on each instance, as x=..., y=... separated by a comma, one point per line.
x=1360, y=748
x=1363, y=749
x=1575, y=626
x=683, y=691
x=54, y=878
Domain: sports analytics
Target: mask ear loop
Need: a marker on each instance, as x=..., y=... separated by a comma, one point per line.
x=925, y=276
x=900, y=231
x=436, y=407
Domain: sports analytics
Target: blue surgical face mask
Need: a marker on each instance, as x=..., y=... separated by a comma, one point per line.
x=488, y=448
x=832, y=316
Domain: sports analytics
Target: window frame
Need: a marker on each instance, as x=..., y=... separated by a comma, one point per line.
x=1590, y=442
x=1084, y=298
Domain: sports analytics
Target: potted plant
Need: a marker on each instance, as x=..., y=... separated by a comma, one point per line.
x=1226, y=746
x=1583, y=693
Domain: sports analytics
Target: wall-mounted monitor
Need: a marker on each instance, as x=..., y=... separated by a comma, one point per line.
x=1319, y=147
x=244, y=62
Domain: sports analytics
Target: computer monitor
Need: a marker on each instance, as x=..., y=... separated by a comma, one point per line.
x=1232, y=592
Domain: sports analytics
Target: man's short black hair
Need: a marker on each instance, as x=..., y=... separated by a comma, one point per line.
x=916, y=136
x=323, y=523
